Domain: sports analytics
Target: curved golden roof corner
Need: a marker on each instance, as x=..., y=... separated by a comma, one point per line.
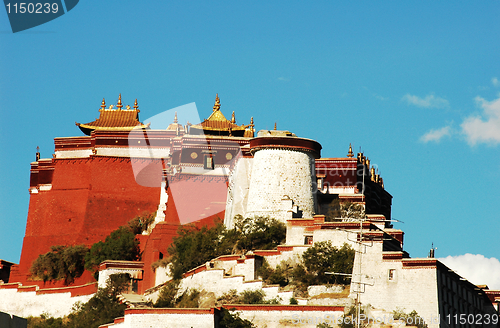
x=218, y=124
x=114, y=119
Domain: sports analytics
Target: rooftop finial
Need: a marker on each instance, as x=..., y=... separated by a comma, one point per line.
x=175, y=118
x=119, y=106
x=275, y=126
x=37, y=153
x=350, y=154
x=233, y=118
x=432, y=251
x=135, y=104
x=217, y=103
x=251, y=123
x=103, y=104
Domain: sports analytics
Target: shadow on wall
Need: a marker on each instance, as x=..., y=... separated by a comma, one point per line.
x=12, y=321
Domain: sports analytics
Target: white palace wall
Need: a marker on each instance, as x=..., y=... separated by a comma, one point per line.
x=409, y=288
x=25, y=304
x=276, y=175
x=237, y=193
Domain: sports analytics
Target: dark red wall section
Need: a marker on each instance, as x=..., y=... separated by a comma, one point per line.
x=89, y=199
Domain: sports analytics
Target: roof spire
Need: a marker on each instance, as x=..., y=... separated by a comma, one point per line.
x=275, y=126
x=119, y=106
x=135, y=104
x=217, y=103
x=350, y=154
x=103, y=104
x=175, y=118
x=233, y=118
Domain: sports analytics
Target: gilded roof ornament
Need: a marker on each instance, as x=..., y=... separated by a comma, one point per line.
x=119, y=106
x=233, y=118
x=175, y=118
x=136, y=106
x=217, y=103
x=275, y=126
x=350, y=154
x=251, y=122
x=114, y=119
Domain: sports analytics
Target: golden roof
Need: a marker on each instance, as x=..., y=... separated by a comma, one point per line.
x=175, y=126
x=219, y=124
x=114, y=119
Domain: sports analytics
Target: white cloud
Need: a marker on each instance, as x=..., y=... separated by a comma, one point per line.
x=476, y=268
x=436, y=135
x=284, y=79
x=478, y=130
x=495, y=82
x=430, y=101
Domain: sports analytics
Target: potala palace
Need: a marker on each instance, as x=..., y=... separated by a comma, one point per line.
x=199, y=173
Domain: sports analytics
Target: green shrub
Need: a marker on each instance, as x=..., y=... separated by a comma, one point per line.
x=233, y=320
x=62, y=262
x=189, y=299
x=102, y=308
x=230, y=297
x=141, y=222
x=350, y=318
x=259, y=233
x=121, y=244
x=45, y=321
x=194, y=246
x=252, y=297
x=293, y=301
x=323, y=325
x=278, y=276
x=411, y=319
x=167, y=296
x=323, y=257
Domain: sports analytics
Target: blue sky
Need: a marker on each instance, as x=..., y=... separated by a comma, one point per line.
x=416, y=85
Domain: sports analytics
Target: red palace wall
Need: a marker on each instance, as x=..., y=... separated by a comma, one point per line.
x=89, y=198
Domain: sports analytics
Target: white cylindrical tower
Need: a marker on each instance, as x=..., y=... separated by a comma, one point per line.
x=282, y=174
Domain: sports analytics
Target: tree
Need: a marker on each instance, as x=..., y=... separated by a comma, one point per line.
x=259, y=233
x=194, y=246
x=62, y=262
x=233, y=320
x=103, y=307
x=323, y=257
x=121, y=244
x=168, y=295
